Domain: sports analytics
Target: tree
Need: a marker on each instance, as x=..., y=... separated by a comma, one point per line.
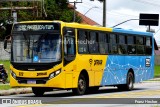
x=58, y=10
x=55, y=9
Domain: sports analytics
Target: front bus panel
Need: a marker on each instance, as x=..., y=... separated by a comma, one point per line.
x=36, y=58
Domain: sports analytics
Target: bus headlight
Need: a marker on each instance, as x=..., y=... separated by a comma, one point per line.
x=13, y=74
x=52, y=75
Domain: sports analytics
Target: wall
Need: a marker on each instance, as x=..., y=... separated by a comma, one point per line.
x=3, y=54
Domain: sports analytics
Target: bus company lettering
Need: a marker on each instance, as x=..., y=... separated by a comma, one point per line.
x=42, y=73
x=97, y=62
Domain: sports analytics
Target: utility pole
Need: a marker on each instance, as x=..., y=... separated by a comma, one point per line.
x=74, y=2
x=14, y=15
x=74, y=15
x=104, y=13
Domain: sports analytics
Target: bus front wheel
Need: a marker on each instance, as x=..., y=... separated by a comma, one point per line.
x=82, y=86
x=38, y=91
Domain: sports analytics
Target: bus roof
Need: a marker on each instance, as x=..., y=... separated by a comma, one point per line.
x=85, y=26
x=36, y=21
x=132, y=32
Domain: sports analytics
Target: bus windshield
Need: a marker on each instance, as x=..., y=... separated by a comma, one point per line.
x=36, y=47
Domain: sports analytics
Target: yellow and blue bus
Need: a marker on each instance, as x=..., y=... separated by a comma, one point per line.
x=48, y=55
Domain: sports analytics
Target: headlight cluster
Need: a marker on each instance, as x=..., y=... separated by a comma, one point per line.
x=13, y=75
x=52, y=75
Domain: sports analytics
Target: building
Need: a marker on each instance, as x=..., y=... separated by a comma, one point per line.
x=84, y=19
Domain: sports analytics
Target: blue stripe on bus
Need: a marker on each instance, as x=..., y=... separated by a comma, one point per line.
x=117, y=67
x=132, y=32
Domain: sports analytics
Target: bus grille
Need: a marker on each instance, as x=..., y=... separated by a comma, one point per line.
x=37, y=80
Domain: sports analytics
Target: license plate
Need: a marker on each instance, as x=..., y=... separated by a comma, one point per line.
x=31, y=82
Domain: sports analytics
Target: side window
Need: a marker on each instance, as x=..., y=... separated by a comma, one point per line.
x=113, y=44
x=148, y=46
x=82, y=41
x=122, y=48
x=140, y=45
x=139, y=40
x=103, y=43
x=93, y=43
x=130, y=40
x=148, y=41
x=131, y=45
x=69, y=45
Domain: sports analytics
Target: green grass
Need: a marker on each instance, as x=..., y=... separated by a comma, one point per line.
x=157, y=71
x=5, y=87
x=6, y=64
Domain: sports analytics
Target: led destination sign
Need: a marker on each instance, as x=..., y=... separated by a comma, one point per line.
x=36, y=27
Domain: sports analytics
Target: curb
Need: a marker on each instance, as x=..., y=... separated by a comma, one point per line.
x=15, y=91
x=154, y=79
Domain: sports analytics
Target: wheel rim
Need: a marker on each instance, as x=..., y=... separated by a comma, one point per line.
x=81, y=85
x=130, y=82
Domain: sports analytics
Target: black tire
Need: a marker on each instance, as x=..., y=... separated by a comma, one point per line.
x=38, y=91
x=82, y=86
x=129, y=83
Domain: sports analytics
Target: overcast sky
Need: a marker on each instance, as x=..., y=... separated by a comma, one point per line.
x=119, y=11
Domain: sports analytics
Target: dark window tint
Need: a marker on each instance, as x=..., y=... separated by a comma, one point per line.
x=131, y=49
x=148, y=50
x=130, y=39
x=113, y=48
x=112, y=39
x=122, y=49
x=140, y=49
x=112, y=44
x=69, y=45
x=140, y=45
x=82, y=41
x=139, y=40
x=121, y=39
x=148, y=46
x=103, y=45
x=93, y=44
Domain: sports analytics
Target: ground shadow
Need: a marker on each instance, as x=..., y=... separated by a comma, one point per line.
x=63, y=93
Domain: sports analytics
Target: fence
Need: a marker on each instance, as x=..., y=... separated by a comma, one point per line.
x=157, y=60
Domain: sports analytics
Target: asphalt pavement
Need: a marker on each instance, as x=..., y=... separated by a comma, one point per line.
x=15, y=91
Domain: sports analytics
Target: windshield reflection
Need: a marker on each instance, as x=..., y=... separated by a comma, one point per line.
x=36, y=48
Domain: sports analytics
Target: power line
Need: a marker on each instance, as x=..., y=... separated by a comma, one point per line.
x=99, y=10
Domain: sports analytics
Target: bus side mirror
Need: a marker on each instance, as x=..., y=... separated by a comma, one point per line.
x=7, y=42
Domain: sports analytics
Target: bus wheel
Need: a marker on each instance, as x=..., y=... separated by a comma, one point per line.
x=38, y=91
x=82, y=86
x=130, y=83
